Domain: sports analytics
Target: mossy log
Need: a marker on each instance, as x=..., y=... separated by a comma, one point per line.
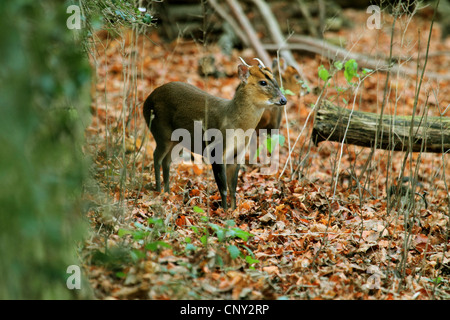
x=333, y=123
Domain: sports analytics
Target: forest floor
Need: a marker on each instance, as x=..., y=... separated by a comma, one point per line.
x=322, y=229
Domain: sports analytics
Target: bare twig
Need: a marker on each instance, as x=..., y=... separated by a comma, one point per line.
x=230, y=20
x=251, y=33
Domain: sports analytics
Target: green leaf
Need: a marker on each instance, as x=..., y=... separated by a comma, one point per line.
x=219, y=260
x=123, y=232
x=251, y=260
x=280, y=139
x=204, y=239
x=121, y=274
x=195, y=229
x=268, y=144
x=366, y=71
x=156, y=221
x=230, y=223
x=139, y=234
x=436, y=280
x=287, y=92
x=198, y=209
x=214, y=226
x=230, y=233
x=351, y=68
x=234, y=251
x=323, y=73
x=338, y=65
x=345, y=101
x=244, y=235
x=273, y=140
x=137, y=255
x=164, y=244
x=220, y=235
x=305, y=86
x=218, y=230
x=153, y=246
x=147, y=18
x=190, y=247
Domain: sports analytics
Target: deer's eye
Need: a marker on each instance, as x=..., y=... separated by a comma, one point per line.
x=263, y=83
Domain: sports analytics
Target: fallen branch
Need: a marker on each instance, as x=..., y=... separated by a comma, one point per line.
x=276, y=34
x=334, y=52
x=225, y=16
x=250, y=32
x=431, y=134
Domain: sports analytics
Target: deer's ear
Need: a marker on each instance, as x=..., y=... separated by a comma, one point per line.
x=243, y=73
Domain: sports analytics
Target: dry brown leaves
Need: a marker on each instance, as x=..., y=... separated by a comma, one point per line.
x=312, y=238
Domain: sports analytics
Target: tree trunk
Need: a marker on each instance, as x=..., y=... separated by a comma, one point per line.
x=332, y=123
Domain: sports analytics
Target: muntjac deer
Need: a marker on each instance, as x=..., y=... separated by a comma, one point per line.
x=290, y=80
x=178, y=105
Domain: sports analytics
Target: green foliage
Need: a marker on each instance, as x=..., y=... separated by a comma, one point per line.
x=305, y=86
x=338, y=65
x=351, y=70
x=113, y=14
x=198, y=210
x=44, y=107
x=287, y=92
x=146, y=236
x=226, y=236
x=323, y=73
x=234, y=251
x=270, y=143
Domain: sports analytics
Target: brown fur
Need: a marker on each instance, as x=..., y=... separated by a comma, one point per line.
x=290, y=78
x=177, y=105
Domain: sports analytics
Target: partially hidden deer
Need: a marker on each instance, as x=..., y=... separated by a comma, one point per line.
x=178, y=105
x=290, y=80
